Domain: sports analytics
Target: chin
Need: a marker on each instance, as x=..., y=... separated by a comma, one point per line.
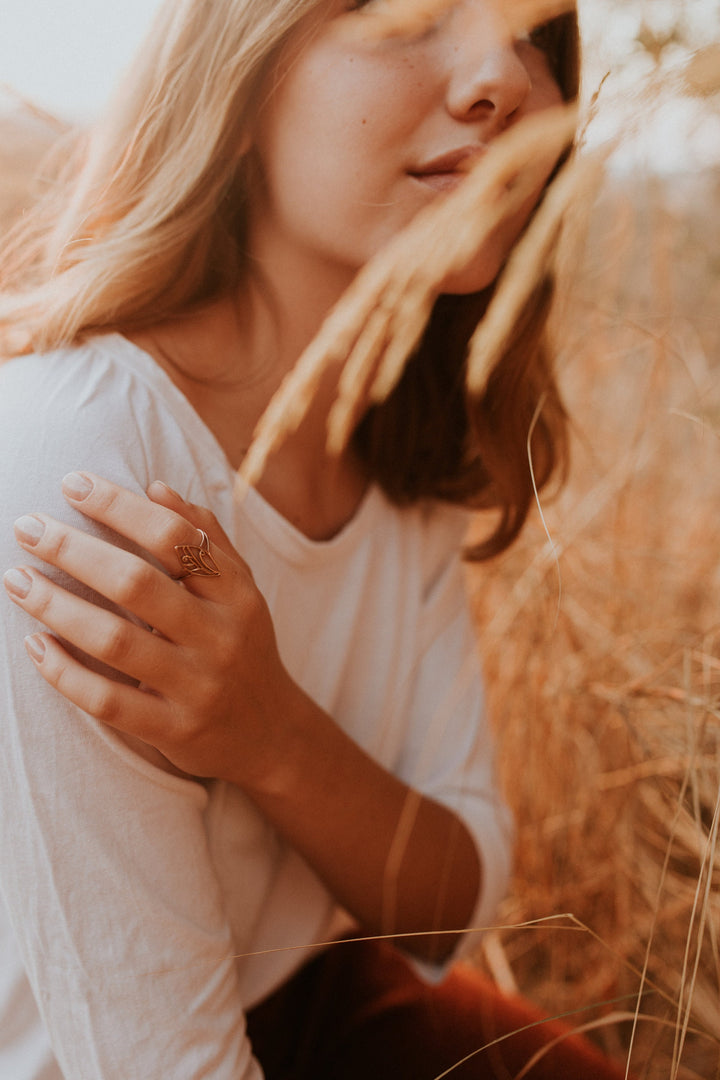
x=471, y=280
x=487, y=265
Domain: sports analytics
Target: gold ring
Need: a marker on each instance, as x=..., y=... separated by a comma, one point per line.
x=196, y=561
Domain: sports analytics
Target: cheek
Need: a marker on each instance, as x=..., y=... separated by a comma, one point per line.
x=341, y=114
x=323, y=119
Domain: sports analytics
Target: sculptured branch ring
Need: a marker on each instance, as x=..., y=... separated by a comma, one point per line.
x=196, y=561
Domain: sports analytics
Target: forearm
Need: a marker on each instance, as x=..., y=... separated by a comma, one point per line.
x=401, y=863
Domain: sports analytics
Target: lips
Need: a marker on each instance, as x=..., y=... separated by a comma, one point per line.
x=444, y=172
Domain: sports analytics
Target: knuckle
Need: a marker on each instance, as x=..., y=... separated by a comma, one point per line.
x=115, y=642
x=106, y=497
x=200, y=692
x=136, y=583
x=216, y=688
x=53, y=669
x=41, y=601
x=171, y=531
x=58, y=674
x=57, y=544
x=253, y=608
x=212, y=696
x=103, y=705
x=182, y=727
x=208, y=519
x=225, y=651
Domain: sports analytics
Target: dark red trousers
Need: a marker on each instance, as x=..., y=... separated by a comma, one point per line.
x=357, y=1012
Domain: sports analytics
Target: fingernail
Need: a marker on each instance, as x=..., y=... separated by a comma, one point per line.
x=168, y=488
x=77, y=486
x=36, y=647
x=29, y=529
x=17, y=582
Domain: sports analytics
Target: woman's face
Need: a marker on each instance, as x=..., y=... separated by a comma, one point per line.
x=359, y=133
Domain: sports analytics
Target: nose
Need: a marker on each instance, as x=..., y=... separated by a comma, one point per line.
x=487, y=80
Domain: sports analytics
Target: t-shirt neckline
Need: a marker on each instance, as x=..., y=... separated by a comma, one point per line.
x=286, y=537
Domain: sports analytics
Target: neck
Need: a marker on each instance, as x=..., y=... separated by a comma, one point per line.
x=316, y=492
x=291, y=294
x=229, y=359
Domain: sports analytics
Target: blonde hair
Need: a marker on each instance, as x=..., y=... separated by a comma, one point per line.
x=147, y=218
x=151, y=220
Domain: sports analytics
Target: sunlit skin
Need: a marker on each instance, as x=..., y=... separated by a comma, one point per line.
x=359, y=134
x=356, y=136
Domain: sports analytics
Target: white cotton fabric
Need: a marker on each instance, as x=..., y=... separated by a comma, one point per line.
x=139, y=904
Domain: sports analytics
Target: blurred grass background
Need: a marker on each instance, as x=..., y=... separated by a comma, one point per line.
x=600, y=631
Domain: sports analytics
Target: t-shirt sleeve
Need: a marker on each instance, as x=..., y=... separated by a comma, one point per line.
x=104, y=861
x=450, y=752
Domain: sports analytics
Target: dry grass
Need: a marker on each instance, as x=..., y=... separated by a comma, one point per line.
x=377, y=323
x=602, y=646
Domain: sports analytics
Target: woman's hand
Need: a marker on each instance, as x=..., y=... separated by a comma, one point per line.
x=213, y=688
x=215, y=698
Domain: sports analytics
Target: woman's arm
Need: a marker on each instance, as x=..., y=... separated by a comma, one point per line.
x=106, y=869
x=110, y=887
x=216, y=700
x=399, y=861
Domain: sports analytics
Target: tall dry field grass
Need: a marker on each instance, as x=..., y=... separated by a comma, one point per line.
x=601, y=641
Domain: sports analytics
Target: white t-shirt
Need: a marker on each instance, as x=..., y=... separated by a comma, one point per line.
x=145, y=912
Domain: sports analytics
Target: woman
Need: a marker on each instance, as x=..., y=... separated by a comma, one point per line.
x=317, y=661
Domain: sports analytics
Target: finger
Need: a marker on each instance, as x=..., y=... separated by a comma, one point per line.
x=108, y=637
x=156, y=528
x=199, y=516
x=135, y=711
x=122, y=577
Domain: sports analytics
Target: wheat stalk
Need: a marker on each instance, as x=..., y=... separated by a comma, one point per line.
x=373, y=329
